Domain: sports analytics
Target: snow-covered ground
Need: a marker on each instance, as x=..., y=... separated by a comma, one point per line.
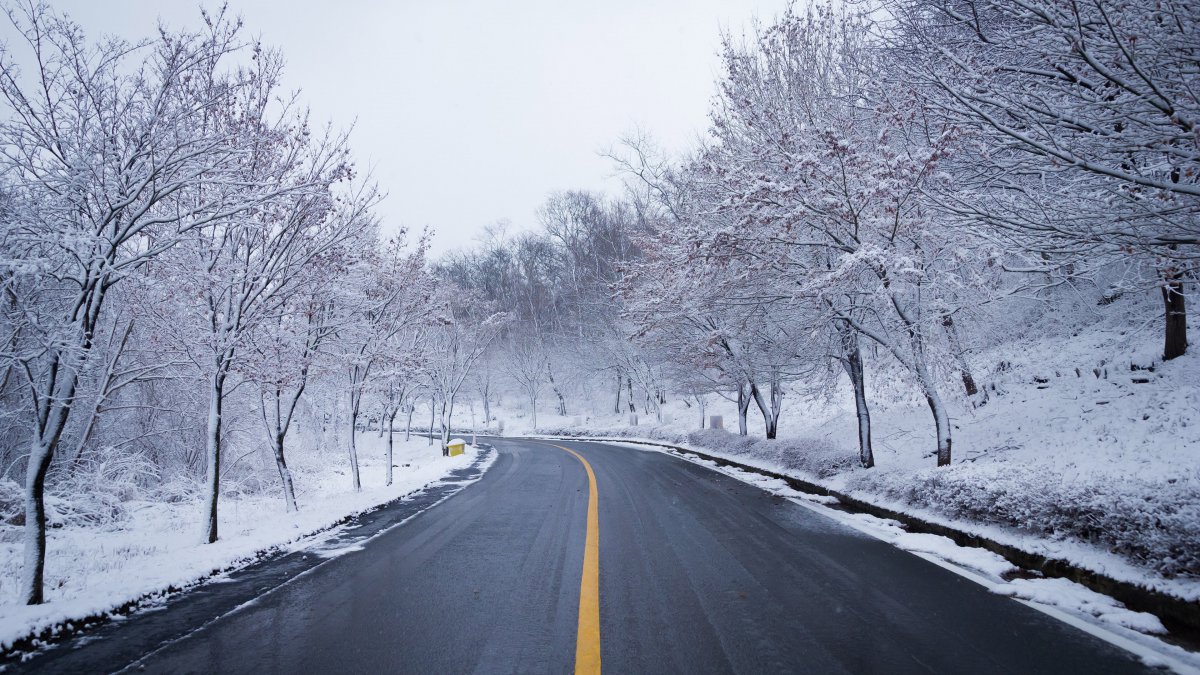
x=93, y=570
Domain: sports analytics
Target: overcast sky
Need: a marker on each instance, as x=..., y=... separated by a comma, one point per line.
x=472, y=112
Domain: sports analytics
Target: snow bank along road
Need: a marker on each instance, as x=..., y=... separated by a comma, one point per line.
x=573, y=556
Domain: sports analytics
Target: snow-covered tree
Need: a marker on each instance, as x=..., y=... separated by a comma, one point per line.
x=245, y=267
x=525, y=364
x=387, y=298
x=99, y=144
x=1085, y=115
x=287, y=349
x=461, y=331
x=821, y=173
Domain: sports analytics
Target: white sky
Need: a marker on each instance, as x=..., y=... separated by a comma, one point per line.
x=473, y=111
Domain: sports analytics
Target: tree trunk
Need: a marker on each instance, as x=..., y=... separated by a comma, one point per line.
x=408, y=425
x=852, y=362
x=432, y=416
x=743, y=404
x=941, y=419
x=444, y=436
x=770, y=413
x=35, y=523
x=446, y=419
x=533, y=407
x=617, y=407
x=58, y=385
x=1176, y=316
x=212, y=454
x=285, y=474
x=942, y=423
x=629, y=385
x=703, y=407
x=58, y=397
x=278, y=429
x=920, y=368
x=960, y=357
x=562, y=402
x=354, y=476
x=776, y=403
x=390, y=431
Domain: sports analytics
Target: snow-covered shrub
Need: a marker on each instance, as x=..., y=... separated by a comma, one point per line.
x=720, y=438
x=12, y=502
x=247, y=484
x=1156, y=524
x=178, y=487
x=814, y=456
x=96, y=489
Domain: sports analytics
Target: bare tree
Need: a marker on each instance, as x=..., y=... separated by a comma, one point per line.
x=526, y=366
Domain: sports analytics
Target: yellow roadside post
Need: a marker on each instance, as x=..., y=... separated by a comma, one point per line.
x=456, y=447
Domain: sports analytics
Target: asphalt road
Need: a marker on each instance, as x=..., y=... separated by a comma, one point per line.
x=698, y=573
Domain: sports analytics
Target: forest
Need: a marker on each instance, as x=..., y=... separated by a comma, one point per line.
x=200, y=303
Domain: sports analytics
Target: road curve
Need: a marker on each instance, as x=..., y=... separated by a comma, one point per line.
x=698, y=573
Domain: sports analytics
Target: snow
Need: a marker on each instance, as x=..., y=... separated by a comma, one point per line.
x=93, y=571
x=1068, y=594
x=944, y=548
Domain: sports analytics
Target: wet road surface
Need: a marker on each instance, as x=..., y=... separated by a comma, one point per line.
x=698, y=573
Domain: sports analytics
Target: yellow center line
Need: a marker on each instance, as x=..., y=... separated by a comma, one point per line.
x=587, y=641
